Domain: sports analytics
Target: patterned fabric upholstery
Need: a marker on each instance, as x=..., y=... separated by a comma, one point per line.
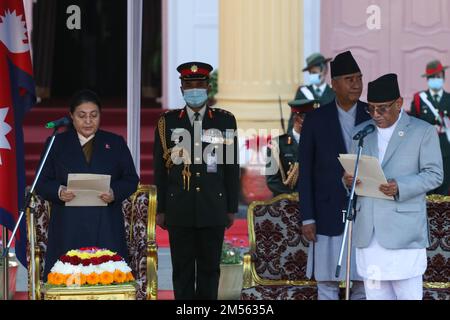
x=280, y=293
x=140, y=234
x=437, y=275
x=41, y=211
x=278, y=252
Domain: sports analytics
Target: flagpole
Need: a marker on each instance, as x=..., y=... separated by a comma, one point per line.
x=5, y=265
x=134, y=71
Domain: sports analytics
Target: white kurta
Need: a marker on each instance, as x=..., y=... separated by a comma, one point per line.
x=378, y=263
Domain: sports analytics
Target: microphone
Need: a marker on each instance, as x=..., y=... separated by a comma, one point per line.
x=364, y=132
x=63, y=122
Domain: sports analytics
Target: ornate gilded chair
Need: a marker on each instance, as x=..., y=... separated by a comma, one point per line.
x=437, y=276
x=275, y=266
x=140, y=225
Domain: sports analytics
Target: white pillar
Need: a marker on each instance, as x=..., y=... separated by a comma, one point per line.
x=190, y=33
x=311, y=27
x=134, y=41
x=261, y=50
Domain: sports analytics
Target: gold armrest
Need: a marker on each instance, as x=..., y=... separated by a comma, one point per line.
x=436, y=285
x=437, y=198
x=248, y=281
x=31, y=228
x=152, y=247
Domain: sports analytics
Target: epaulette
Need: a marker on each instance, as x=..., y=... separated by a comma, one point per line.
x=172, y=112
x=222, y=111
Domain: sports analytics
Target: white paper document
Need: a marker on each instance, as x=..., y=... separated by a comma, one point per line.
x=87, y=189
x=370, y=174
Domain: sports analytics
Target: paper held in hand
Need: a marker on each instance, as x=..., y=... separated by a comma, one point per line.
x=370, y=174
x=87, y=189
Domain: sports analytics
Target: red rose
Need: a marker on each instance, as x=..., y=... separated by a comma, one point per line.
x=104, y=259
x=95, y=261
x=74, y=260
x=86, y=262
x=116, y=258
x=65, y=259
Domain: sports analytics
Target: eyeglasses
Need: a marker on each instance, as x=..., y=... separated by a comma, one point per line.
x=370, y=109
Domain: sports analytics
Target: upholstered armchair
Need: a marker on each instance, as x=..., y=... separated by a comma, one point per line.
x=140, y=225
x=437, y=277
x=275, y=266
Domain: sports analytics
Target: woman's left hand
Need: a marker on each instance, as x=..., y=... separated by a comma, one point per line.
x=108, y=197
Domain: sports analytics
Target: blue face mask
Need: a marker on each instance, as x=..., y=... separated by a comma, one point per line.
x=435, y=83
x=195, y=98
x=315, y=78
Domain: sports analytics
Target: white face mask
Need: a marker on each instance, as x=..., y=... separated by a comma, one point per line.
x=315, y=78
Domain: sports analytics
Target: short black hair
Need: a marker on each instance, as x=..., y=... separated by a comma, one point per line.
x=84, y=96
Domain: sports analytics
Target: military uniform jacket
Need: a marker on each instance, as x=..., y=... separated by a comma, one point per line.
x=205, y=199
x=420, y=110
x=288, y=155
x=327, y=97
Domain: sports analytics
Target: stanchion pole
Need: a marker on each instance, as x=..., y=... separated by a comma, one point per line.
x=5, y=265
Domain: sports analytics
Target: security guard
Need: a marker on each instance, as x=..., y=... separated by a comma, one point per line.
x=318, y=89
x=433, y=106
x=197, y=176
x=282, y=166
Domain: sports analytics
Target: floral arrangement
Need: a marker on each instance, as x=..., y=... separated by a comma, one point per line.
x=90, y=266
x=231, y=254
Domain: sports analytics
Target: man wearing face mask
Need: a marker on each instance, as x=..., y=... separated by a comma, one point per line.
x=318, y=89
x=197, y=176
x=433, y=106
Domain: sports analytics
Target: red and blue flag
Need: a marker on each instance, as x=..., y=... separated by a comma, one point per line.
x=17, y=96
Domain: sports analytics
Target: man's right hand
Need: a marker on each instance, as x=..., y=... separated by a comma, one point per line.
x=309, y=232
x=348, y=180
x=161, y=221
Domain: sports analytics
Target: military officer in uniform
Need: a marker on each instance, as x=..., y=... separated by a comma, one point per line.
x=197, y=176
x=433, y=106
x=282, y=154
x=318, y=89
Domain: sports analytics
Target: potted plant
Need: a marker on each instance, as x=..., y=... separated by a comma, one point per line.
x=231, y=271
x=213, y=79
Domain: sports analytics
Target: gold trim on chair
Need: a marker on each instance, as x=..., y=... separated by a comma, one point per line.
x=251, y=277
x=37, y=251
x=152, y=247
x=437, y=198
x=436, y=285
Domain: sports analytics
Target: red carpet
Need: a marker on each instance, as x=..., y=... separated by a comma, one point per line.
x=238, y=234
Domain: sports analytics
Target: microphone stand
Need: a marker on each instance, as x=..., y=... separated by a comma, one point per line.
x=349, y=216
x=22, y=211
